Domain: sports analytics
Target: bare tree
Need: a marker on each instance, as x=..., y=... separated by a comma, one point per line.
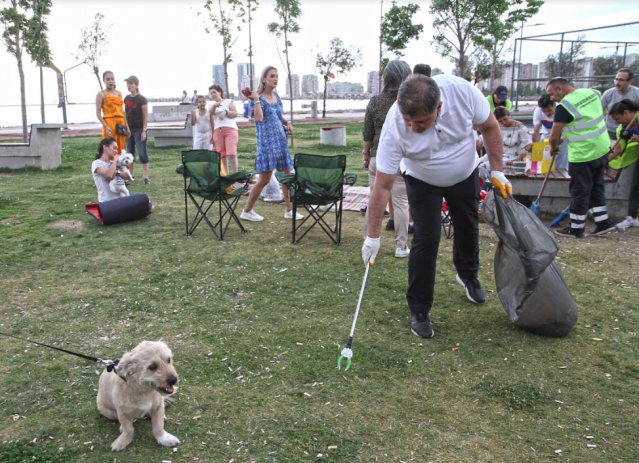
x=288, y=12
x=339, y=58
x=92, y=43
x=223, y=24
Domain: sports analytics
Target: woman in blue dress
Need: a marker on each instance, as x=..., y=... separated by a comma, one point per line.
x=272, y=146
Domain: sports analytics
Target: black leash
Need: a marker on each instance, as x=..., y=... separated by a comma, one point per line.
x=110, y=364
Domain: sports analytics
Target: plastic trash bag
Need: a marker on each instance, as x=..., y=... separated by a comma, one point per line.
x=529, y=283
x=272, y=192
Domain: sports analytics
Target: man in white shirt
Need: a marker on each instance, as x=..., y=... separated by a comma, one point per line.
x=623, y=89
x=428, y=134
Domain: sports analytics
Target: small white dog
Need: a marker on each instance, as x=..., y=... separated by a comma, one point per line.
x=138, y=387
x=117, y=185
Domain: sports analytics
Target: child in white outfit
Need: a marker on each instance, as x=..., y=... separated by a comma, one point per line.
x=203, y=120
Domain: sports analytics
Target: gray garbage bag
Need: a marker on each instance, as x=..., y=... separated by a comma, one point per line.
x=529, y=283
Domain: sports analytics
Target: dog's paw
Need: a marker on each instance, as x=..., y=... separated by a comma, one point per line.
x=168, y=440
x=120, y=444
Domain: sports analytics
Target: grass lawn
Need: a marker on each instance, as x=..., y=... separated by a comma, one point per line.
x=256, y=325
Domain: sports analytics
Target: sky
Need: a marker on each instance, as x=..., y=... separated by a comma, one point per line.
x=165, y=45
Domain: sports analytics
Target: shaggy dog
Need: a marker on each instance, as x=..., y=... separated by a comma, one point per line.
x=117, y=185
x=138, y=387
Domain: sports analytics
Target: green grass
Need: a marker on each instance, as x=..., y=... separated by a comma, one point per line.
x=256, y=325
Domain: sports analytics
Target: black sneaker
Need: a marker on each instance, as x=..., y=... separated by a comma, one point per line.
x=603, y=228
x=390, y=225
x=420, y=325
x=411, y=229
x=474, y=292
x=570, y=232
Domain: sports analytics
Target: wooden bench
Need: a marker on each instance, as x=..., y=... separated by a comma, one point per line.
x=44, y=149
x=556, y=196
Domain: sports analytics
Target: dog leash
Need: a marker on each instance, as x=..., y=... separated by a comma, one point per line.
x=110, y=364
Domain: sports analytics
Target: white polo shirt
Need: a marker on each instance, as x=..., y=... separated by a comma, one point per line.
x=444, y=154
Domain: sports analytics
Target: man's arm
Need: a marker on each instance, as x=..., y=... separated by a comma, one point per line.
x=493, y=142
x=537, y=133
x=377, y=202
x=555, y=136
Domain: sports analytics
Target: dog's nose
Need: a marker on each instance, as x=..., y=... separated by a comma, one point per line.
x=171, y=380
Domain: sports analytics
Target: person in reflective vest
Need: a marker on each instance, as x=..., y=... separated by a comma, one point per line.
x=580, y=118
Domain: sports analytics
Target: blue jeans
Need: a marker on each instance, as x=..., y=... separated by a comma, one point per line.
x=134, y=143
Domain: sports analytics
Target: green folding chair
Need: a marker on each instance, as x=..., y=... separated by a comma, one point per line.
x=206, y=186
x=317, y=185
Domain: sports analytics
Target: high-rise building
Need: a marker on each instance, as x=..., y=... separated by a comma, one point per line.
x=310, y=84
x=218, y=77
x=344, y=87
x=373, y=82
x=244, y=77
x=295, y=79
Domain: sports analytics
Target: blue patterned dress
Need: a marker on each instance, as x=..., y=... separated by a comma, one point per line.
x=272, y=146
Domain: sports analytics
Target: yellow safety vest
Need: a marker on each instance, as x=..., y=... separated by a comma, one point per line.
x=630, y=152
x=586, y=135
x=491, y=102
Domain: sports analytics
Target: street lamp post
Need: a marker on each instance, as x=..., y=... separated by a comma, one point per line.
x=521, y=45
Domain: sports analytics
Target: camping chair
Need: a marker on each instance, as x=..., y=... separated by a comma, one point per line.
x=205, y=177
x=447, y=220
x=318, y=185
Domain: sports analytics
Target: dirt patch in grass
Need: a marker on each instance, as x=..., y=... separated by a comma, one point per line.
x=6, y=174
x=71, y=225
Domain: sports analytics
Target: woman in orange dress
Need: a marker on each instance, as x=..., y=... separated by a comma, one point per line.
x=109, y=107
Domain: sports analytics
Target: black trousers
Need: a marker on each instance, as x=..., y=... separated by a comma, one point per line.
x=633, y=201
x=587, y=192
x=426, y=204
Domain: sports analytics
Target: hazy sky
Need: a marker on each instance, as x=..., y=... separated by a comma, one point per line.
x=164, y=42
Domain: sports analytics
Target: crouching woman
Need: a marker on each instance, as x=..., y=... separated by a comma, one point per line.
x=105, y=169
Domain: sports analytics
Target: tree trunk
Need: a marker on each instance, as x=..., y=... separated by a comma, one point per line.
x=325, y=85
x=44, y=119
x=381, y=19
x=23, y=96
x=492, y=67
x=290, y=82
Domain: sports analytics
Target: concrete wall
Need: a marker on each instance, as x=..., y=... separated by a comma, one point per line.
x=43, y=151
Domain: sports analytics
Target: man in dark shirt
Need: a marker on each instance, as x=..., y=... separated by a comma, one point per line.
x=136, y=109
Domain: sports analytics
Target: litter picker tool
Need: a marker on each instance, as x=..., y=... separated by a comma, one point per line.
x=347, y=352
x=535, y=205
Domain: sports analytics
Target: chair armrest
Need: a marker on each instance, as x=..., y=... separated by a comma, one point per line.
x=349, y=179
x=285, y=179
x=180, y=169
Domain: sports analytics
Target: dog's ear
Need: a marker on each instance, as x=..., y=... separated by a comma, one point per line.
x=127, y=366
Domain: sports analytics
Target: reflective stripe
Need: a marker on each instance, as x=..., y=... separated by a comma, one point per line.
x=577, y=217
x=587, y=136
x=577, y=225
x=598, y=209
x=585, y=125
x=599, y=218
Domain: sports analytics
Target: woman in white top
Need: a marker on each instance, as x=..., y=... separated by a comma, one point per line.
x=105, y=168
x=517, y=140
x=225, y=134
x=202, y=119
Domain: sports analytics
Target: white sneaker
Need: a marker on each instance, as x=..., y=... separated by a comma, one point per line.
x=289, y=215
x=629, y=222
x=402, y=252
x=251, y=215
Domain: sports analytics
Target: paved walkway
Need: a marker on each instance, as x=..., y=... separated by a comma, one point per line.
x=94, y=128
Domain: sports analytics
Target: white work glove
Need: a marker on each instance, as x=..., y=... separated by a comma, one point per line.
x=501, y=183
x=370, y=249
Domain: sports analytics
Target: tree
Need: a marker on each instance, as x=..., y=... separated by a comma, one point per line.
x=251, y=6
x=396, y=30
x=288, y=12
x=15, y=36
x=340, y=59
x=457, y=23
x=92, y=42
x=223, y=25
x=567, y=63
x=37, y=43
x=500, y=26
x=606, y=66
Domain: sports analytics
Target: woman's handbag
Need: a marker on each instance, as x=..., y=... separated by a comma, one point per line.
x=121, y=129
